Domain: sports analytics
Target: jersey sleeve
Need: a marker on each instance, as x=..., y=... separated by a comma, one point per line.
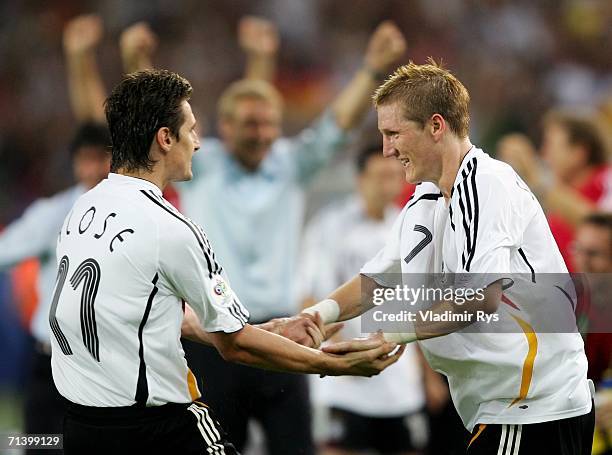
x=487, y=225
x=188, y=263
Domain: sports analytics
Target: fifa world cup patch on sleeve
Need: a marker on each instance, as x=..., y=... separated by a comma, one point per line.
x=221, y=292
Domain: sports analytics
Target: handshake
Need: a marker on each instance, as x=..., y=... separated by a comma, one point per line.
x=291, y=344
x=358, y=357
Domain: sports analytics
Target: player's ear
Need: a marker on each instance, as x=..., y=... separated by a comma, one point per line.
x=164, y=138
x=437, y=126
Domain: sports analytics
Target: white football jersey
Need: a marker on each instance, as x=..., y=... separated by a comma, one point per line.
x=128, y=260
x=494, y=225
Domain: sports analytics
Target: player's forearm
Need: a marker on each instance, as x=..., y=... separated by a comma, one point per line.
x=260, y=66
x=355, y=100
x=348, y=301
x=354, y=297
x=133, y=63
x=259, y=348
x=567, y=203
x=85, y=87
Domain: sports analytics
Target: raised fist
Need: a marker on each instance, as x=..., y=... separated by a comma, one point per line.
x=137, y=40
x=386, y=46
x=83, y=33
x=258, y=36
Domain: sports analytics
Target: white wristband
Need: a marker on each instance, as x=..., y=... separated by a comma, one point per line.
x=328, y=309
x=402, y=338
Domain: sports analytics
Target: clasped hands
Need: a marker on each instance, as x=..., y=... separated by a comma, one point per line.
x=369, y=355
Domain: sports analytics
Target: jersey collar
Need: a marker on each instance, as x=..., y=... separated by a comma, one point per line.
x=474, y=151
x=133, y=181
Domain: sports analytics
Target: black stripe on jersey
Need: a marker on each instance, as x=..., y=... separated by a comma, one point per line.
x=428, y=197
x=476, y=213
x=571, y=301
x=217, y=266
x=468, y=204
x=89, y=271
x=241, y=311
x=62, y=273
x=237, y=312
x=522, y=253
x=184, y=221
x=217, y=269
x=234, y=312
x=142, y=387
x=465, y=222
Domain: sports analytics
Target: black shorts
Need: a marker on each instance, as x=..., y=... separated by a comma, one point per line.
x=382, y=434
x=187, y=428
x=573, y=436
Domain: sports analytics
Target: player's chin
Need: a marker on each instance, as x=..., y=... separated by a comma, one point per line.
x=187, y=175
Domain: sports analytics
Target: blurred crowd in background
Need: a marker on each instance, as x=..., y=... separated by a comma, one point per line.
x=517, y=58
x=530, y=67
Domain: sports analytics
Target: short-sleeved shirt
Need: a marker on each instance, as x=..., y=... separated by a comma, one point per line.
x=493, y=227
x=254, y=219
x=127, y=262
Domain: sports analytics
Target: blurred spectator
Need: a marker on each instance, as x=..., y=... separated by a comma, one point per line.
x=248, y=193
x=592, y=254
x=34, y=234
x=574, y=181
x=543, y=39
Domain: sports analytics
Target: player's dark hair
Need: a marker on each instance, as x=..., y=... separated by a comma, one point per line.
x=365, y=154
x=90, y=134
x=141, y=104
x=580, y=131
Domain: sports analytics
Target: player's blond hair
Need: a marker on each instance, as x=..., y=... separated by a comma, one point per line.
x=425, y=90
x=247, y=89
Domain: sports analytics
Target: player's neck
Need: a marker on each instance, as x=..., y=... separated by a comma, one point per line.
x=451, y=162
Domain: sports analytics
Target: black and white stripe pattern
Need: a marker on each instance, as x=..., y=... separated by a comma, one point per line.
x=89, y=271
x=424, y=197
x=510, y=440
x=238, y=312
x=469, y=206
x=208, y=429
x=213, y=266
x=62, y=273
x=142, y=386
